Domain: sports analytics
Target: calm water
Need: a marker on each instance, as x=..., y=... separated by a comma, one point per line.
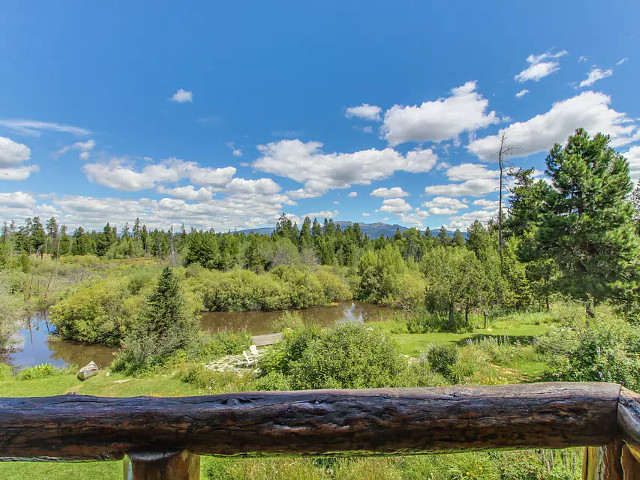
x=33, y=345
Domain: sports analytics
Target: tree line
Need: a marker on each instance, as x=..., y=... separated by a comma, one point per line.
x=574, y=233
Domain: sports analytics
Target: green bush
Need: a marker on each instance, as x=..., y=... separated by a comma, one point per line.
x=348, y=356
x=5, y=371
x=607, y=349
x=442, y=358
x=97, y=311
x=224, y=343
x=288, y=319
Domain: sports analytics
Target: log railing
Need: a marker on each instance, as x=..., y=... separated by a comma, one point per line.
x=162, y=437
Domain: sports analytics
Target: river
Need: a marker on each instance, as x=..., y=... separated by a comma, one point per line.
x=33, y=344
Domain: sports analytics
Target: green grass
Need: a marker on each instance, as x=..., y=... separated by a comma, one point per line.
x=415, y=343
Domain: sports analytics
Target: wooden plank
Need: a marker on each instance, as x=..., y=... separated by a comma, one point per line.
x=162, y=466
x=379, y=421
x=268, y=339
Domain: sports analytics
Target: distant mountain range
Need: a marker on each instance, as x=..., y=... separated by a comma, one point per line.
x=373, y=230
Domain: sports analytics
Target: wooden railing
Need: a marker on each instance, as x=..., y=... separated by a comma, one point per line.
x=162, y=437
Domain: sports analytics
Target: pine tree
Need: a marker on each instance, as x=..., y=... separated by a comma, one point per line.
x=164, y=326
x=587, y=220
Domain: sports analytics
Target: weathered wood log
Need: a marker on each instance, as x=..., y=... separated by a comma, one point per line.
x=162, y=466
x=381, y=421
x=629, y=416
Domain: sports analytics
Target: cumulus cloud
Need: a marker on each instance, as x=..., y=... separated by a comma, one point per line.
x=594, y=75
x=633, y=156
x=13, y=153
x=475, y=188
x=352, y=194
x=444, y=206
x=120, y=175
x=365, y=214
x=486, y=204
x=365, y=111
x=263, y=186
x=188, y=193
x=182, y=96
x=446, y=118
x=395, y=205
x=18, y=173
x=589, y=110
x=34, y=127
x=389, y=192
x=470, y=171
x=540, y=66
x=522, y=93
x=322, y=214
x=465, y=220
x=306, y=163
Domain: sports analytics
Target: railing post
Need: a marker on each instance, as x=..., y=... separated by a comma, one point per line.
x=631, y=462
x=182, y=465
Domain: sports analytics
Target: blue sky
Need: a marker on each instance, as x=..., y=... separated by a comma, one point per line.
x=225, y=115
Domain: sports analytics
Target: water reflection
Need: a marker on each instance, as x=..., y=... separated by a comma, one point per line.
x=261, y=323
x=32, y=345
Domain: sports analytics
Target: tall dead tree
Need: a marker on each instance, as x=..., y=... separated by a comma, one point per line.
x=503, y=155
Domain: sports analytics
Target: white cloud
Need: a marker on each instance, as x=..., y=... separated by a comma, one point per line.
x=582, y=59
x=414, y=218
x=236, y=152
x=522, y=93
x=594, y=75
x=465, y=220
x=18, y=173
x=394, y=205
x=589, y=110
x=486, y=204
x=322, y=214
x=264, y=186
x=188, y=193
x=365, y=111
x=389, y=192
x=540, y=66
x=633, y=156
x=352, y=194
x=365, y=214
x=474, y=188
x=470, y=171
x=182, y=96
x=621, y=61
x=442, y=119
x=318, y=171
x=17, y=200
x=84, y=147
x=444, y=206
x=120, y=175
x=13, y=153
x=33, y=127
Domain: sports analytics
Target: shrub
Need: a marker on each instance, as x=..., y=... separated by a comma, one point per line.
x=442, y=358
x=288, y=319
x=96, y=311
x=607, y=349
x=224, y=343
x=347, y=356
x=5, y=371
